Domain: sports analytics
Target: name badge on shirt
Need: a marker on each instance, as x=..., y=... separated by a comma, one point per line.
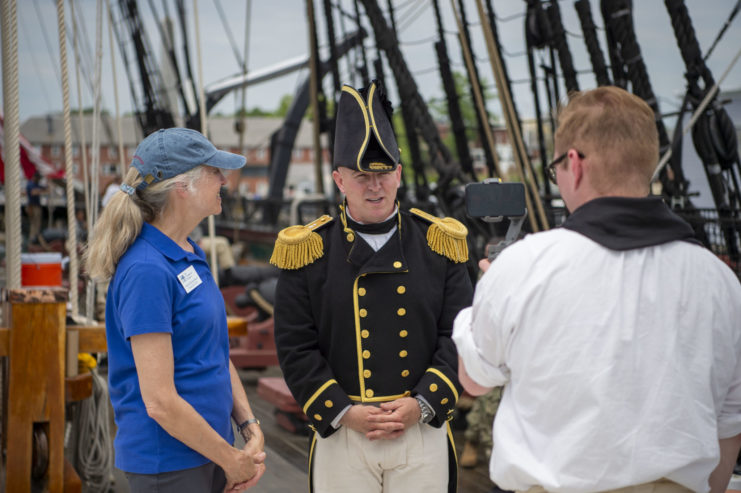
x=189, y=279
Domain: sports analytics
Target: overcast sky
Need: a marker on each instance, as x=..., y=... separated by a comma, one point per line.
x=278, y=32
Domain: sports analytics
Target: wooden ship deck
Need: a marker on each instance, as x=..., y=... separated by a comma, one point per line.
x=287, y=462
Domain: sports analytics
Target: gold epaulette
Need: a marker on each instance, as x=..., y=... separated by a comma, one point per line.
x=446, y=236
x=298, y=246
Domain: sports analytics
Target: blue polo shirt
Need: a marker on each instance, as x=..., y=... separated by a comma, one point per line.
x=146, y=296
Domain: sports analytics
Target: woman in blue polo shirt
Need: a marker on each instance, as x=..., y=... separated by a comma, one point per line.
x=173, y=388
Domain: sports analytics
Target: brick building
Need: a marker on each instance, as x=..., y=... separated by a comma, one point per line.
x=46, y=133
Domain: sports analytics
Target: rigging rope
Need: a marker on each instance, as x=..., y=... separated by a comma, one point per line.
x=204, y=131
x=522, y=160
x=477, y=92
x=418, y=41
x=452, y=98
x=440, y=156
x=11, y=146
x=421, y=186
x=47, y=43
x=558, y=41
x=713, y=135
x=724, y=28
x=510, y=17
x=95, y=165
x=93, y=454
x=400, y=6
x=533, y=81
x=80, y=117
x=627, y=59
x=314, y=90
x=599, y=67
x=68, y=165
x=482, y=117
x=229, y=35
x=243, y=106
x=35, y=60
x=696, y=115
x=119, y=129
x=409, y=20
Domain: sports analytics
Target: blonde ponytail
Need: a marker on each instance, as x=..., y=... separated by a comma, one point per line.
x=123, y=217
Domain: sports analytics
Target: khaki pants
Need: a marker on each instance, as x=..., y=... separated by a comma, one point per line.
x=346, y=461
x=659, y=486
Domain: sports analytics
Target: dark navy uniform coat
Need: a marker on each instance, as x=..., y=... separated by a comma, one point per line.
x=358, y=326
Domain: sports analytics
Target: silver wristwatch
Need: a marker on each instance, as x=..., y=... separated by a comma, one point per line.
x=426, y=412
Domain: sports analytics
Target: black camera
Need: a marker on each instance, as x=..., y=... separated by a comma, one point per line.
x=493, y=200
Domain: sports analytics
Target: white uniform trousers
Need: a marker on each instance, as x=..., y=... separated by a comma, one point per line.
x=348, y=461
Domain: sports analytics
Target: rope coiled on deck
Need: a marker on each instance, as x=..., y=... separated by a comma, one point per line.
x=94, y=449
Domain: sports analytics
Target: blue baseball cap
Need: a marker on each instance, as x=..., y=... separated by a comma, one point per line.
x=171, y=151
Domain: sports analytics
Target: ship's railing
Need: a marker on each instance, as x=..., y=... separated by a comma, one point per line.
x=721, y=233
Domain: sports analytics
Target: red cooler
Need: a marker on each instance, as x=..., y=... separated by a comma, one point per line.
x=41, y=269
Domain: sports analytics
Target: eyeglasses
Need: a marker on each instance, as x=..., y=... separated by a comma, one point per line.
x=551, y=167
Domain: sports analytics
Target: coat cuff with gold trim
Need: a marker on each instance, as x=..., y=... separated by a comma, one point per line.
x=324, y=405
x=441, y=392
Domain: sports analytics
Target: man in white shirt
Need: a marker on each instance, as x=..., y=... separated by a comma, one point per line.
x=617, y=336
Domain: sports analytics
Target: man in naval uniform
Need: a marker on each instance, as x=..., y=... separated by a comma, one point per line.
x=363, y=317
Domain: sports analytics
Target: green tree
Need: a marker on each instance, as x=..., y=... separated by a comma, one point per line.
x=284, y=105
x=254, y=111
x=88, y=110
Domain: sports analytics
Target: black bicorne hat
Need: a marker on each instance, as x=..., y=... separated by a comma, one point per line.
x=364, y=139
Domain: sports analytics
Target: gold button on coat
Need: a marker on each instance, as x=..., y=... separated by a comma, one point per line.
x=444, y=401
x=350, y=237
x=366, y=373
x=363, y=312
x=364, y=334
x=329, y=403
x=433, y=387
x=361, y=291
x=401, y=312
x=403, y=354
x=401, y=290
x=366, y=354
x=317, y=417
x=397, y=265
x=405, y=373
x=403, y=333
x=369, y=393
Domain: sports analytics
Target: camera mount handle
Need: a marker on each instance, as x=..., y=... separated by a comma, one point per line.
x=513, y=231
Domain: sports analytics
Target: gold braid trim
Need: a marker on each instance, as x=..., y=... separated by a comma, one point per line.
x=446, y=236
x=298, y=246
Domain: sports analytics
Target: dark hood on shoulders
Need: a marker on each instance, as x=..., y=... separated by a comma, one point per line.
x=624, y=223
